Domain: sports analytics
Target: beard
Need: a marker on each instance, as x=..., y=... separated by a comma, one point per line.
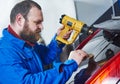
x=29, y=35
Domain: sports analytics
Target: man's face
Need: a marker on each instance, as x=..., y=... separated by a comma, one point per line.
x=32, y=26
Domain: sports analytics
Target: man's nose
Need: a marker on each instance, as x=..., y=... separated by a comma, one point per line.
x=40, y=26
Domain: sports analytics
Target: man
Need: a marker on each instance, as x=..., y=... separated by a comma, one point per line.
x=22, y=59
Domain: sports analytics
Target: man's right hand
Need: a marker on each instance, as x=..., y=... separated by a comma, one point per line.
x=67, y=35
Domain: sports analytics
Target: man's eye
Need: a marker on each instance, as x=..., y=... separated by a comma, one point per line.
x=38, y=22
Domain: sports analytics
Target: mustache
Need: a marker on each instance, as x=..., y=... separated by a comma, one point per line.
x=38, y=31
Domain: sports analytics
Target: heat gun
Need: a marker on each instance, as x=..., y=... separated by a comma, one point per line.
x=72, y=24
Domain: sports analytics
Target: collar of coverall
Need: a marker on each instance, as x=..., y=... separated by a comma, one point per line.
x=13, y=33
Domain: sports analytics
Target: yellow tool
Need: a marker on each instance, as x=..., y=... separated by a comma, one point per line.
x=72, y=24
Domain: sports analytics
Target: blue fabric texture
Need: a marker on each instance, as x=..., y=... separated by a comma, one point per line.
x=21, y=63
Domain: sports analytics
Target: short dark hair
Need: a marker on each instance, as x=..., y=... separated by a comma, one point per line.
x=22, y=8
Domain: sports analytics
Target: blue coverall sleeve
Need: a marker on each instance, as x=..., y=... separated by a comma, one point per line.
x=51, y=52
x=14, y=71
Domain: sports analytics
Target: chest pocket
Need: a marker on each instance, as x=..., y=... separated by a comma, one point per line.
x=29, y=61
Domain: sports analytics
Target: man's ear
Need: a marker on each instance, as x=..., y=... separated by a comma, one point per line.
x=20, y=19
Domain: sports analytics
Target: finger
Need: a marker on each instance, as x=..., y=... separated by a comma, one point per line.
x=83, y=53
x=62, y=27
x=68, y=33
